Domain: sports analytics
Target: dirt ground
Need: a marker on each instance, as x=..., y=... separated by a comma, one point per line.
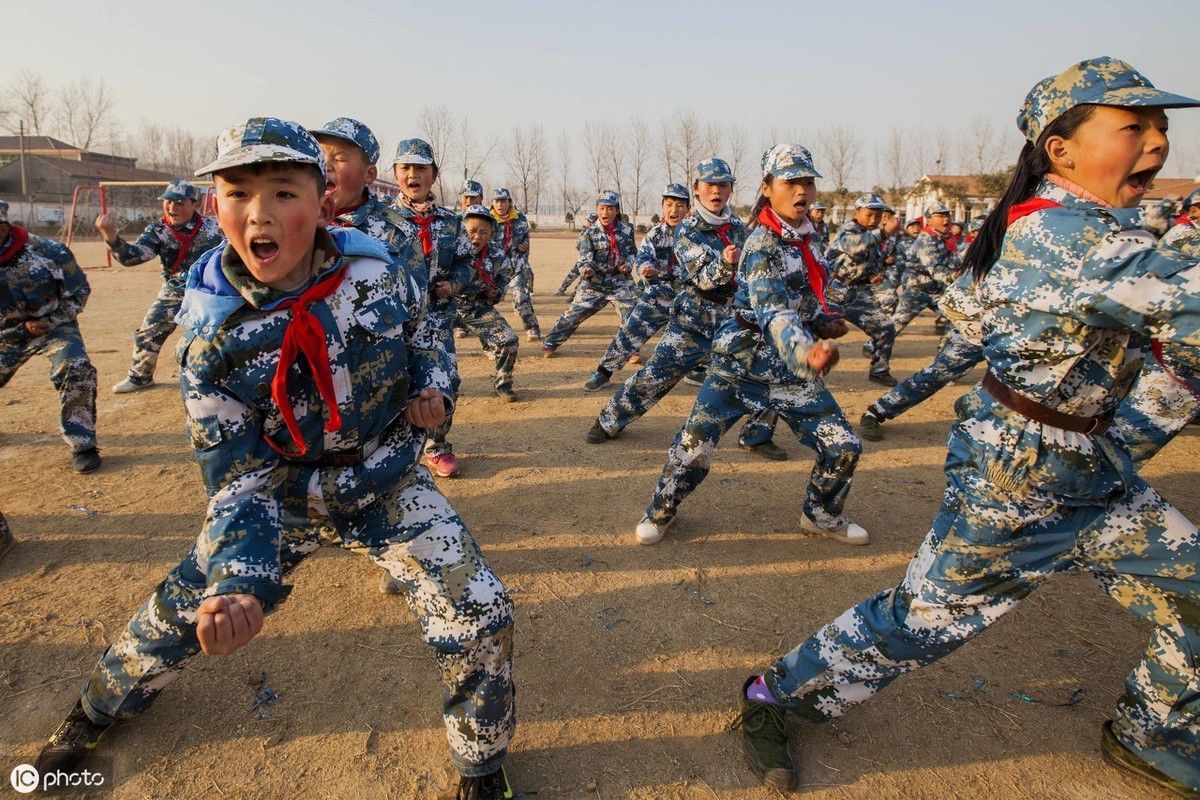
x=628, y=658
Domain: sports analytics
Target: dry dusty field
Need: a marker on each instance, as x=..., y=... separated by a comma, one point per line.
x=628, y=658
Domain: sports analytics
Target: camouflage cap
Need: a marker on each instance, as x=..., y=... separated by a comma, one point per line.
x=714, y=170
x=608, y=198
x=592, y=216
x=913, y=221
x=788, y=162
x=354, y=132
x=818, y=206
x=936, y=208
x=471, y=189
x=677, y=190
x=478, y=211
x=975, y=225
x=871, y=201
x=180, y=190
x=500, y=193
x=3, y=211
x=1192, y=199
x=265, y=139
x=414, y=151
x=1102, y=81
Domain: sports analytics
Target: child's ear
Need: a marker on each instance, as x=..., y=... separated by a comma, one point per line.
x=372, y=174
x=328, y=210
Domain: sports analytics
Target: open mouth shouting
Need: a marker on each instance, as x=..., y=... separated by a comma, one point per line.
x=1139, y=182
x=265, y=249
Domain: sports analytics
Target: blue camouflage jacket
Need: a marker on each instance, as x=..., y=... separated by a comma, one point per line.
x=377, y=220
x=699, y=246
x=160, y=239
x=821, y=235
x=511, y=234
x=657, y=252
x=775, y=297
x=39, y=280
x=933, y=266
x=855, y=255
x=1184, y=237
x=450, y=258
x=1066, y=311
x=611, y=268
x=382, y=352
x=473, y=298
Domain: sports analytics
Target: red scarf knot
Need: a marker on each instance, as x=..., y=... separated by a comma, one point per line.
x=817, y=277
x=487, y=279
x=305, y=336
x=185, y=239
x=614, y=249
x=17, y=238
x=425, y=232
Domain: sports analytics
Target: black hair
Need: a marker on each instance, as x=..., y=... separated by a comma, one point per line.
x=1032, y=164
x=760, y=202
x=261, y=167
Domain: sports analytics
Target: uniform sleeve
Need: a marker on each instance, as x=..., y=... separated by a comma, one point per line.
x=705, y=266
x=505, y=272
x=767, y=286
x=961, y=307
x=73, y=288
x=647, y=255
x=461, y=271
x=238, y=548
x=935, y=258
x=429, y=365
x=587, y=256
x=1128, y=282
x=847, y=257
x=145, y=248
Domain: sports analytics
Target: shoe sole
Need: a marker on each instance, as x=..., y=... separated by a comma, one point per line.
x=587, y=388
x=767, y=454
x=1108, y=741
x=809, y=527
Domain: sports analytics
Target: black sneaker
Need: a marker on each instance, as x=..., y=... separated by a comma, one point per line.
x=75, y=738
x=6, y=537
x=86, y=461
x=765, y=741
x=484, y=787
x=600, y=377
x=506, y=393
x=882, y=378
x=872, y=428
x=597, y=435
x=1123, y=758
x=768, y=450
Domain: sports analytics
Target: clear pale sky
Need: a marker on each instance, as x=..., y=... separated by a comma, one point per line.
x=786, y=68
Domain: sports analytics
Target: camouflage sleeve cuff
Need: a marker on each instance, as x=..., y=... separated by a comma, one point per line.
x=270, y=593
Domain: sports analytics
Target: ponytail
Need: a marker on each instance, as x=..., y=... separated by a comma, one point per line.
x=1032, y=164
x=760, y=202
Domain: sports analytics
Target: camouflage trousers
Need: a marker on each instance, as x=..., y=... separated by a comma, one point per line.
x=913, y=299
x=498, y=339
x=522, y=297
x=684, y=345
x=651, y=313
x=156, y=327
x=571, y=276
x=71, y=373
x=1159, y=406
x=589, y=298
x=860, y=308
x=808, y=408
x=463, y=610
x=442, y=322
x=885, y=295
x=991, y=547
x=954, y=358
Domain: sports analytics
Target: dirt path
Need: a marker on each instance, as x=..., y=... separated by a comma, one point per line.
x=628, y=658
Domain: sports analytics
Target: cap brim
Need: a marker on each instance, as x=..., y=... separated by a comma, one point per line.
x=410, y=159
x=678, y=196
x=1145, y=97
x=256, y=154
x=795, y=173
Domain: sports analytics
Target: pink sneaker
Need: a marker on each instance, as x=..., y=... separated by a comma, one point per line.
x=444, y=465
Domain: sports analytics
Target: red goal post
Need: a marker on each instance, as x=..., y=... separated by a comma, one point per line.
x=138, y=202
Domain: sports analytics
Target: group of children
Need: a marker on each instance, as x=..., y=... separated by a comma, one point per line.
x=317, y=365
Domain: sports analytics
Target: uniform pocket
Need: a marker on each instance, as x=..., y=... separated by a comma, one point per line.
x=205, y=432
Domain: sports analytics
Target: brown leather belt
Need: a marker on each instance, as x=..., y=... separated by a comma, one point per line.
x=1040, y=413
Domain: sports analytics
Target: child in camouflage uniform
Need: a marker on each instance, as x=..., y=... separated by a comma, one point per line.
x=659, y=272
x=606, y=259
x=573, y=273
x=1070, y=286
x=309, y=372
x=1185, y=233
x=933, y=266
x=178, y=239
x=494, y=273
x=767, y=358
x=512, y=234
x=42, y=291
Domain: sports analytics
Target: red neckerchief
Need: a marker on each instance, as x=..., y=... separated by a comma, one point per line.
x=952, y=242
x=723, y=233
x=944, y=237
x=1156, y=348
x=185, y=239
x=1183, y=219
x=305, y=336
x=425, y=231
x=1027, y=207
x=17, y=238
x=816, y=273
x=507, y=235
x=477, y=263
x=614, y=249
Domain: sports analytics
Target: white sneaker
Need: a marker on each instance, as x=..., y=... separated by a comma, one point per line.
x=840, y=530
x=126, y=386
x=649, y=533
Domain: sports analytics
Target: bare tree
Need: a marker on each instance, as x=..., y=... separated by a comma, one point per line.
x=639, y=164
x=28, y=102
x=593, y=136
x=471, y=152
x=524, y=155
x=941, y=152
x=688, y=143
x=613, y=147
x=85, y=112
x=893, y=161
x=437, y=127
x=667, y=144
x=979, y=148
x=735, y=149
x=840, y=148
x=571, y=196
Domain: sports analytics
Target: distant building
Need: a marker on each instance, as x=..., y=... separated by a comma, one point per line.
x=964, y=195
